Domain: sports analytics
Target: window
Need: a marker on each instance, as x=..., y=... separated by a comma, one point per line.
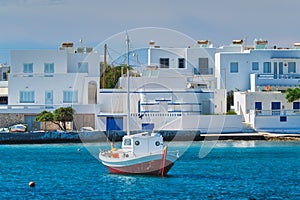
x=283, y=118
x=203, y=66
x=296, y=106
x=49, y=68
x=4, y=76
x=181, y=63
x=267, y=67
x=127, y=142
x=83, y=67
x=234, y=67
x=164, y=62
x=258, y=107
x=70, y=96
x=26, y=96
x=203, y=63
x=275, y=106
x=28, y=67
x=255, y=66
x=291, y=67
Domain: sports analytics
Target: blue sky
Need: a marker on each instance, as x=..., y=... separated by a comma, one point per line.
x=44, y=24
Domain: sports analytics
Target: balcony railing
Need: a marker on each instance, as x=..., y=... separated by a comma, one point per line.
x=34, y=108
x=204, y=71
x=277, y=112
x=278, y=76
x=277, y=80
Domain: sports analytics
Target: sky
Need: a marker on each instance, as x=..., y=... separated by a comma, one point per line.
x=44, y=24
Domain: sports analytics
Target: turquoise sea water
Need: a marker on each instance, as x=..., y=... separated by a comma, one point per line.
x=232, y=170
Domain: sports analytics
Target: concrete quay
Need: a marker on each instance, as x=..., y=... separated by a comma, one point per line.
x=97, y=136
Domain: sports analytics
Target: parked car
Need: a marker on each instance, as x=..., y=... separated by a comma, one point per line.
x=4, y=130
x=18, y=128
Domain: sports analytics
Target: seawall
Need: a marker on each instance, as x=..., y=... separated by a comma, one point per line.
x=51, y=137
x=98, y=136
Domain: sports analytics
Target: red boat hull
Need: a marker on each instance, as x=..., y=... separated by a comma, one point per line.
x=153, y=167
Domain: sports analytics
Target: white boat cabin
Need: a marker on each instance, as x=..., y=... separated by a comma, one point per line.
x=143, y=143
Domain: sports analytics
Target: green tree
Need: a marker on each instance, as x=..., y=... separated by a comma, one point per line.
x=45, y=117
x=112, y=75
x=63, y=115
x=293, y=94
x=58, y=117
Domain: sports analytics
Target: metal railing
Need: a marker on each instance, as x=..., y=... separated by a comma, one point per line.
x=278, y=76
x=277, y=112
x=204, y=71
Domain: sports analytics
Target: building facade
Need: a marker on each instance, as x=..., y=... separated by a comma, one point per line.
x=48, y=79
x=177, y=91
x=261, y=78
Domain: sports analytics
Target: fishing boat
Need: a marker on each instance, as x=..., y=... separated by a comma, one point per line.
x=142, y=153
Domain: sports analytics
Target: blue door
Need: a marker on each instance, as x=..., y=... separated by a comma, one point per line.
x=49, y=99
x=32, y=125
x=281, y=68
x=114, y=123
x=275, y=69
x=275, y=108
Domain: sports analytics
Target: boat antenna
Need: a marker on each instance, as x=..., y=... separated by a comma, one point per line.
x=128, y=86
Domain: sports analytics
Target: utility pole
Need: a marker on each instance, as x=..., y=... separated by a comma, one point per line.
x=104, y=67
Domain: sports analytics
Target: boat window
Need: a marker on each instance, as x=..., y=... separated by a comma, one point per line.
x=157, y=143
x=127, y=142
x=137, y=143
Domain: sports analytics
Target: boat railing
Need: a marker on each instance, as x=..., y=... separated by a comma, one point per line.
x=115, y=153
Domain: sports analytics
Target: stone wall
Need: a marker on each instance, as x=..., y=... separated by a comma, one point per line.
x=8, y=119
x=48, y=126
x=83, y=120
x=80, y=120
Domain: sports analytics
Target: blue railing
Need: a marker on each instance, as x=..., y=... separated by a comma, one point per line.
x=278, y=76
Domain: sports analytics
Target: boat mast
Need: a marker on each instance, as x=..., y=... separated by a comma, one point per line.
x=128, y=86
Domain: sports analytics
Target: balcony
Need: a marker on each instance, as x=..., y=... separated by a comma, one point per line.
x=204, y=71
x=279, y=81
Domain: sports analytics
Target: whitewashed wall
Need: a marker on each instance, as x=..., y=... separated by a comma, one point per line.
x=269, y=123
x=203, y=123
x=63, y=78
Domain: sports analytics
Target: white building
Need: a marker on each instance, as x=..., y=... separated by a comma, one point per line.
x=271, y=66
x=262, y=76
x=182, y=88
x=4, y=70
x=47, y=79
x=268, y=111
x=177, y=92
